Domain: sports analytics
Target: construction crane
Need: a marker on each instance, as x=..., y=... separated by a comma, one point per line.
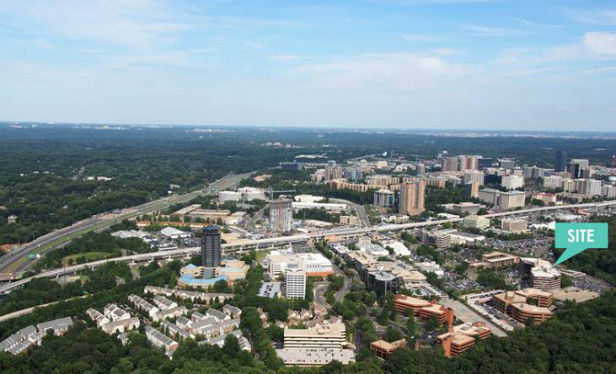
x=272, y=192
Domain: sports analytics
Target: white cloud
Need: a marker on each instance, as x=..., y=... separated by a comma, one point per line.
x=254, y=45
x=446, y=51
x=437, y=2
x=128, y=23
x=385, y=71
x=480, y=30
x=602, y=43
x=284, y=58
x=603, y=17
x=419, y=38
x=535, y=25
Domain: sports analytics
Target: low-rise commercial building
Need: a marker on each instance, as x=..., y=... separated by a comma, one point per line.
x=543, y=274
x=465, y=238
x=315, y=264
x=421, y=308
x=504, y=200
x=381, y=282
x=384, y=349
x=514, y=225
x=476, y=222
x=317, y=345
x=495, y=260
x=516, y=304
x=545, y=198
x=463, y=208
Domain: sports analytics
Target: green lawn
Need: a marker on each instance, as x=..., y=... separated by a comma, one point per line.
x=90, y=256
x=261, y=256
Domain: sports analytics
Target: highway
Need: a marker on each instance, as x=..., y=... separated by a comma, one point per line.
x=262, y=244
x=17, y=261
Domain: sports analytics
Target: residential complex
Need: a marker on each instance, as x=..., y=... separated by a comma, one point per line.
x=412, y=197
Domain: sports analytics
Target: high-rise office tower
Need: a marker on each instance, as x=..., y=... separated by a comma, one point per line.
x=577, y=167
x=281, y=216
x=210, y=250
x=471, y=189
x=613, y=162
x=484, y=162
x=506, y=164
x=412, y=197
x=560, y=163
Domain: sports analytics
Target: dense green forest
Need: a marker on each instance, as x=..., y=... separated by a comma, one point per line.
x=598, y=262
x=45, y=168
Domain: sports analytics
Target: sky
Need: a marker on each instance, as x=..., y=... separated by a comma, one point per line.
x=427, y=64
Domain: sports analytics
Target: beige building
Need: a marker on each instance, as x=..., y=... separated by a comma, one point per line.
x=504, y=200
x=514, y=225
x=476, y=222
x=316, y=345
x=412, y=197
x=450, y=164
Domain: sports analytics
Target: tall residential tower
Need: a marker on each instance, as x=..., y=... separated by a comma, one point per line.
x=210, y=250
x=412, y=197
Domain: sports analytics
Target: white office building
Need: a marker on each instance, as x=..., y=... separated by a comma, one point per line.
x=512, y=182
x=553, y=182
x=295, y=283
x=471, y=176
x=588, y=187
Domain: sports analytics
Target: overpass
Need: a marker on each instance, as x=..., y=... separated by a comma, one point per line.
x=267, y=243
x=17, y=261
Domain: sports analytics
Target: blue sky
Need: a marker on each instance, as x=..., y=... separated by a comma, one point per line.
x=452, y=64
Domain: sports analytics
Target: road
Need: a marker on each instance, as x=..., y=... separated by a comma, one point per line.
x=22, y=312
x=261, y=244
x=362, y=215
x=319, y=295
x=17, y=261
x=467, y=315
x=345, y=288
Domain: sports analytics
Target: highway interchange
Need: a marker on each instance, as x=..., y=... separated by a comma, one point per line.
x=18, y=261
x=262, y=244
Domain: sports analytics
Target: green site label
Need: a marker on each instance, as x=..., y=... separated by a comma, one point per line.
x=578, y=237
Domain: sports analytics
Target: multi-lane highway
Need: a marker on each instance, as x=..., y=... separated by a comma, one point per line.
x=17, y=260
x=267, y=243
